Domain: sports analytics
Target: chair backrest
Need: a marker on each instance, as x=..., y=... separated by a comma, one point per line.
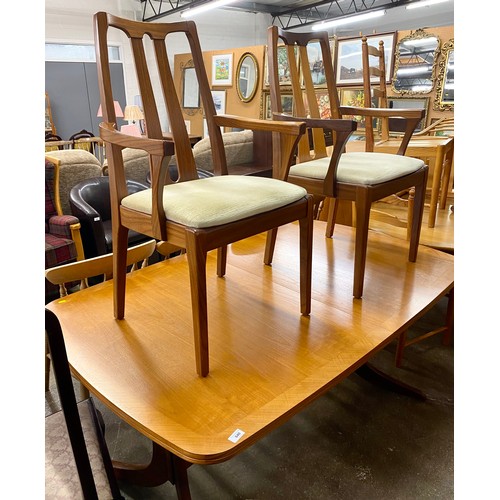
x=294, y=46
x=97, y=266
x=93, y=471
x=305, y=95
x=82, y=134
x=151, y=77
x=374, y=84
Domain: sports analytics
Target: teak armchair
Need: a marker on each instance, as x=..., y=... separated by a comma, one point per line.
x=359, y=177
x=196, y=214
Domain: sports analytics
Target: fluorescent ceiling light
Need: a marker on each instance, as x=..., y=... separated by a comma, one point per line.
x=424, y=3
x=348, y=20
x=205, y=7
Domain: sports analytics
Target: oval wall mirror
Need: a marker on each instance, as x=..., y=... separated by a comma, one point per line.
x=445, y=86
x=248, y=77
x=416, y=61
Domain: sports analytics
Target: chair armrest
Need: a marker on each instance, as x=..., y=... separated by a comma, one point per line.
x=158, y=149
x=412, y=119
x=92, y=228
x=289, y=132
x=68, y=226
x=60, y=225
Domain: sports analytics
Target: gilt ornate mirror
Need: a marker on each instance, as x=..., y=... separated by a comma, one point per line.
x=445, y=86
x=247, y=77
x=416, y=62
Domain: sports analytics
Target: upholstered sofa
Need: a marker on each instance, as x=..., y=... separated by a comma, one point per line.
x=135, y=164
x=247, y=153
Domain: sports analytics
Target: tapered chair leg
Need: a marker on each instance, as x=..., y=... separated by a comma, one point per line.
x=197, y=261
x=306, y=240
x=332, y=215
x=120, y=243
x=417, y=217
x=363, y=206
x=221, y=261
x=270, y=244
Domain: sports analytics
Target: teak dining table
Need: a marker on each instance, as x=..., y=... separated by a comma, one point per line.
x=267, y=361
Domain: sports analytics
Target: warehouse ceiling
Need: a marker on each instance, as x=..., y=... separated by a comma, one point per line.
x=285, y=13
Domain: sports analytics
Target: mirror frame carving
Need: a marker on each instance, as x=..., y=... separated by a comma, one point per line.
x=439, y=105
x=238, y=69
x=416, y=35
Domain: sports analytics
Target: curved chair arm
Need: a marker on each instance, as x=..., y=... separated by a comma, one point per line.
x=69, y=227
x=290, y=134
x=412, y=119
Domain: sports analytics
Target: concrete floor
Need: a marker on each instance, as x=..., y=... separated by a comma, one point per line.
x=358, y=441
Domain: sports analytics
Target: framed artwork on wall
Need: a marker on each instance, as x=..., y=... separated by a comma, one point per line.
x=316, y=63
x=190, y=89
x=355, y=97
x=283, y=67
x=219, y=98
x=222, y=69
x=350, y=63
x=286, y=103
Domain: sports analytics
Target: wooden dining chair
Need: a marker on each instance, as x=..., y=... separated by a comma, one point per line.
x=78, y=273
x=359, y=177
x=196, y=214
x=77, y=460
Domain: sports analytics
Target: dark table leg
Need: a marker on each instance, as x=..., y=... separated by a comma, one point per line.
x=164, y=466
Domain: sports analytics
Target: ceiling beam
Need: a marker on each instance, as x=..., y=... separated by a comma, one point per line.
x=305, y=14
x=330, y=10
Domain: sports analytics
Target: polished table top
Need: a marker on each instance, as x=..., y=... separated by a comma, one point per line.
x=267, y=361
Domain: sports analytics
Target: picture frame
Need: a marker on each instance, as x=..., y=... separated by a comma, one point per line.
x=190, y=89
x=286, y=102
x=222, y=69
x=283, y=67
x=349, y=63
x=323, y=100
x=316, y=62
x=219, y=98
x=408, y=102
x=355, y=97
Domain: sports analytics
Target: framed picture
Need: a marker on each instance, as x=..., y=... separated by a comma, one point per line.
x=190, y=89
x=316, y=63
x=350, y=63
x=407, y=102
x=355, y=97
x=283, y=67
x=323, y=100
x=219, y=97
x=286, y=103
x=222, y=69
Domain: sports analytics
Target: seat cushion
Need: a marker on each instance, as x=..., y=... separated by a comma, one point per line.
x=61, y=476
x=218, y=200
x=360, y=168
